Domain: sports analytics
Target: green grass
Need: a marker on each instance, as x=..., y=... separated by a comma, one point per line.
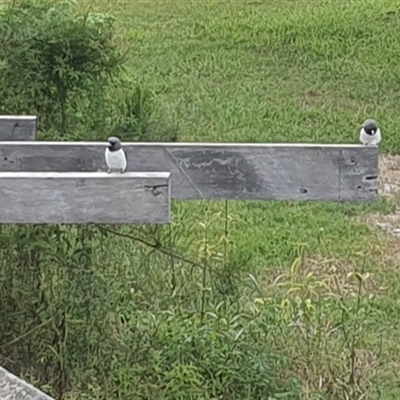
x=278, y=71
x=242, y=71
x=256, y=71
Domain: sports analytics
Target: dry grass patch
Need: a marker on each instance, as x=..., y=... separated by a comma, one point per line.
x=389, y=187
x=319, y=277
x=322, y=309
x=389, y=175
x=338, y=374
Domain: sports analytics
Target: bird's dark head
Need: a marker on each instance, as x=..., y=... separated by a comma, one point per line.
x=114, y=143
x=370, y=127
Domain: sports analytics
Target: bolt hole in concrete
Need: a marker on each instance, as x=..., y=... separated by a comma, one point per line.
x=304, y=191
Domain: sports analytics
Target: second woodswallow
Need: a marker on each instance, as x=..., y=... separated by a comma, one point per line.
x=370, y=134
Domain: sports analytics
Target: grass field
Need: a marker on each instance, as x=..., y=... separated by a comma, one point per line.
x=317, y=284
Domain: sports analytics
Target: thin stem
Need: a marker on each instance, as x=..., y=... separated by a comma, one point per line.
x=17, y=339
x=153, y=246
x=173, y=276
x=226, y=232
x=205, y=267
x=204, y=278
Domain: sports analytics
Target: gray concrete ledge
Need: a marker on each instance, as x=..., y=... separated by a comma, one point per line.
x=14, y=388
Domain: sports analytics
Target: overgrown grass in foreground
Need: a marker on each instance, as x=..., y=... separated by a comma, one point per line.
x=245, y=302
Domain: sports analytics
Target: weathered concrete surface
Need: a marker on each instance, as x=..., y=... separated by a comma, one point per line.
x=14, y=388
x=236, y=171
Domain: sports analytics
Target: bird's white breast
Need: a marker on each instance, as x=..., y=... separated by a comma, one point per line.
x=116, y=159
x=370, y=140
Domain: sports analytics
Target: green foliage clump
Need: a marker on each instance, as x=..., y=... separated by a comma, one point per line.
x=65, y=66
x=87, y=314
x=51, y=55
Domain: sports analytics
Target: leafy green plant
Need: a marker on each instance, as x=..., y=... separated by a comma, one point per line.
x=51, y=54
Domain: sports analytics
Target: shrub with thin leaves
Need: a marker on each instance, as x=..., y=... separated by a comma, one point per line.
x=52, y=55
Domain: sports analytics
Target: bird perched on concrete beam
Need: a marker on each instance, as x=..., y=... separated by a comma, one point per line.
x=370, y=134
x=116, y=157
